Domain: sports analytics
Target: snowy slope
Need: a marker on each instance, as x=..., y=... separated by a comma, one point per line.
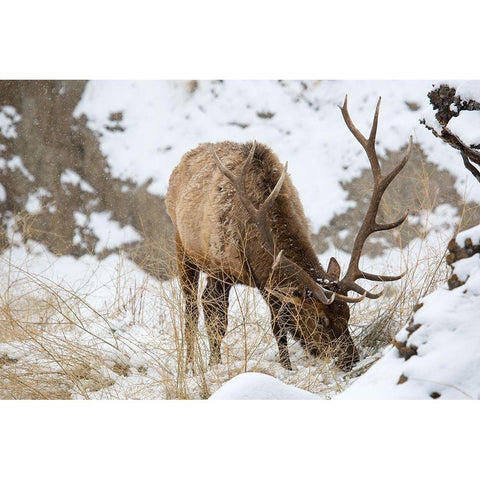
x=299, y=120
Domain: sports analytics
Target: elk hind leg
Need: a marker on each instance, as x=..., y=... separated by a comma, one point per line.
x=188, y=276
x=215, y=309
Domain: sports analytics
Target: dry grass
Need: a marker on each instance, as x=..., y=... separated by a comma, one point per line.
x=58, y=341
x=55, y=344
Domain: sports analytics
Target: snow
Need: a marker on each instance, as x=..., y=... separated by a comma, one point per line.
x=109, y=232
x=258, y=386
x=34, y=201
x=15, y=163
x=466, y=126
x=8, y=120
x=73, y=178
x=468, y=90
x=431, y=120
x=3, y=193
x=472, y=233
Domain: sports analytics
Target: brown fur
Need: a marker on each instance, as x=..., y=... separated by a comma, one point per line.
x=214, y=234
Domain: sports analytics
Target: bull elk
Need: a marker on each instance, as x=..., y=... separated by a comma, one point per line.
x=238, y=218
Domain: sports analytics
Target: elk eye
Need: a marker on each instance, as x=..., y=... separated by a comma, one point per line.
x=324, y=321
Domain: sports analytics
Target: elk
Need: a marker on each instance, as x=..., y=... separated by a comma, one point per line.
x=238, y=218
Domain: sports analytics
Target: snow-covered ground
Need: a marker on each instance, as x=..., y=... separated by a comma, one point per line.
x=109, y=330
x=123, y=328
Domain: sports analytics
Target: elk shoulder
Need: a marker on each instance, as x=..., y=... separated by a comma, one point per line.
x=212, y=224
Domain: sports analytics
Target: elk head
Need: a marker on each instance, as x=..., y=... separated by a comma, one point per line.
x=318, y=308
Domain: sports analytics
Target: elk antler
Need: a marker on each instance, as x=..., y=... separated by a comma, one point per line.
x=370, y=225
x=260, y=218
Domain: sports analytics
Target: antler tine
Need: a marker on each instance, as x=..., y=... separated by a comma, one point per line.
x=347, y=299
x=221, y=166
x=346, y=116
x=248, y=161
x=239, y=181
x=305, y=279
x=373, y=130
x=362, y=291
x=388, y=226
x=260, y=218
x=274, y=193
x=369, y=224
x=367, y=144
x=399, y=167
x=382, y=278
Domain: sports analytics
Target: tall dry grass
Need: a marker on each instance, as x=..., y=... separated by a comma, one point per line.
x=56, y=343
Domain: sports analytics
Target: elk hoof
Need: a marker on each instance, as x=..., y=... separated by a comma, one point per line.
x=286, y=365
x=346, y=366
x=214, y=360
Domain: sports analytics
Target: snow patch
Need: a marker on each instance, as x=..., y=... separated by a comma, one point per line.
x=73, y=178
x=466, y=126
x=468, y=90
x=34, y=202
x=15, y=163
x=258, y=386
x=109, y=232
x=472, y=233
x=8, y=120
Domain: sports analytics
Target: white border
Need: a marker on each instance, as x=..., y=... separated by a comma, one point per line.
x=245, y=39
x=239, y=439
x=248, y=39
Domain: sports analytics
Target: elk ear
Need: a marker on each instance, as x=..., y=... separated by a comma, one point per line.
x=286, y=295
x=333, y=269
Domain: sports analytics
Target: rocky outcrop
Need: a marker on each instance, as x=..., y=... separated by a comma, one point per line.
x=45, y=141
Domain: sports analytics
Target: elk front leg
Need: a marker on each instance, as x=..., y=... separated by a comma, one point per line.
x=215, y=309
x=279, y=318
